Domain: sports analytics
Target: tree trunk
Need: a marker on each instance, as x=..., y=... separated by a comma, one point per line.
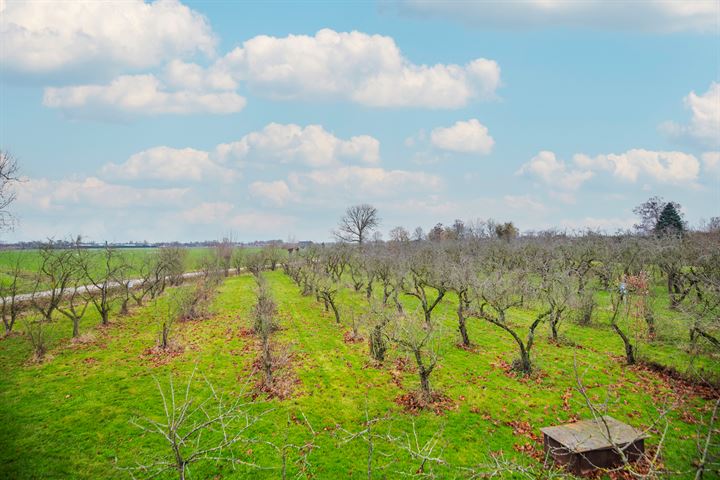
x=425, y=384
x=629, y=351
x=697, y=331
x=673, y=291
x=164, y=342
x=335, y=311
x=267, y=363
x=398, y=305
x=461, y=322
x=650, y=320
x=377, y=344
x=525, y=363
x=76, y=327
x=554, y=320
x=428, y=319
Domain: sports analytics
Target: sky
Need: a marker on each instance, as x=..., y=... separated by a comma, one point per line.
x=169, y=120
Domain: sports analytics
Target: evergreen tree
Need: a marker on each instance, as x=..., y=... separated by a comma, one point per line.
x=670, y=220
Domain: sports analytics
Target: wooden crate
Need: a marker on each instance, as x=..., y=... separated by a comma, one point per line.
x=585, y=446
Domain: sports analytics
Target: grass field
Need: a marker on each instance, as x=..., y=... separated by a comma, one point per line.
x=70, y=417
x=30, y=261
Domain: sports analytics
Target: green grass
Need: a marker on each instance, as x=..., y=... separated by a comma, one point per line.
x=30, y=261
x=70, y=416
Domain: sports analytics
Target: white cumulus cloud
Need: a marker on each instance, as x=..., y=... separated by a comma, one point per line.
x=132, y=95
x=554, y=172
x=41, y=37
x=704, y=126
x=207, y=213
x=169, y=164
x=365, y=181
x=276, y=193
x=45, y=194
x=635, y=16
x=250, y=223
x=665, y=167
x=464, y=136
x=355, y=66
x=310, y=145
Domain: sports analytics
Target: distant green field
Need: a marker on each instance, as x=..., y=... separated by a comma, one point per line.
x=30, y=261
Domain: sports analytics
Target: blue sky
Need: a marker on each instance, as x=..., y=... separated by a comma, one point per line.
x=168, y=120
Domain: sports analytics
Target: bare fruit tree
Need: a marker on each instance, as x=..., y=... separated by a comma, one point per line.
x=620, y=311
x=75, y=305
x=8, y=178
x=357, y=223
x=462, y=275
x=500, y=292
x=427, y=281
x=223, y=253
x=264, y=327
x=377, y=320
x=101, y=275
x=196, y=428
x=9, y=295
x=412, y=335
x=57, y=268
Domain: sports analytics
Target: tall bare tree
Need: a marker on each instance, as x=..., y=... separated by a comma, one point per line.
x=357, y=223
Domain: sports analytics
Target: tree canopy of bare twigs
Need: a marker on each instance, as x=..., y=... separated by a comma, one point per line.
x=196, y=427
x=357, y=223
x=9, y=176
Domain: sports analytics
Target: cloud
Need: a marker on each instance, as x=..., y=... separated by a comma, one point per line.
x=92, y=192
x=207, y=213
x=523, y=202
x=169, y=164
x=704, y=127
x=311, y=145
x=660, y=16
x=354, y=66
x=193, y=77
x=132, y=95
x=262, y=223
x=665, y=167
x=252, y=223
x=276, y=193
x=365, y=181
x=711, y=162
x=41, y=38
x=551, y=171
x=465, y=136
